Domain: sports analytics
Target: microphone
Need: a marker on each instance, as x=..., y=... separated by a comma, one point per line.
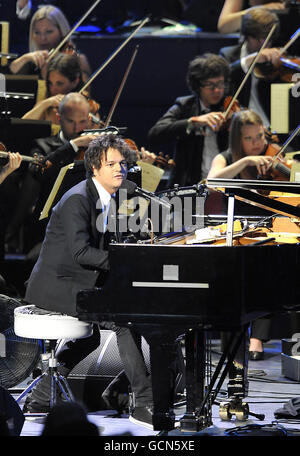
x=133, y=189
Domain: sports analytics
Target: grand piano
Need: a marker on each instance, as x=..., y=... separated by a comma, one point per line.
x=166, y=289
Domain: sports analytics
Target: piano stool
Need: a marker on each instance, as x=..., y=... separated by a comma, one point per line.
x=34, y=323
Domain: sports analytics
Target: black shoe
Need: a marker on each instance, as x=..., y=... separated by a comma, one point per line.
x=256, y=355
x=142, y=416
x=32, y=406
x=116, y=401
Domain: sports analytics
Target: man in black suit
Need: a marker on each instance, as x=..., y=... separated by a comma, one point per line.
x=255, y=95
x=194, y=122
x=74, y=256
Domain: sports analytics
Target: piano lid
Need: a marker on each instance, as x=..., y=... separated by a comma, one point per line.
x=247, y=191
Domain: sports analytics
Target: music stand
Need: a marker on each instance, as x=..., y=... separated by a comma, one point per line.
x=18, y=134
x=21, y=94
x=68, y=176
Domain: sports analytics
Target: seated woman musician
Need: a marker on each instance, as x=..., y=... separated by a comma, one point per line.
x=48, y=27
x=245, y=159
x=62, y=77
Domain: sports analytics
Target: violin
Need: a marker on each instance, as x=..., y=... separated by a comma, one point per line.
x=159, y=160
x=284, y=69
x=38, y=160
x=280, y=169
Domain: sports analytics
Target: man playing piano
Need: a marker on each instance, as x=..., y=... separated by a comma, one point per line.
x=74, y=256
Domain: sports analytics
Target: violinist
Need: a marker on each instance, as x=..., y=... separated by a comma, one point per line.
x=255, y=94
x=63, y=76
x=59, y=150
x=48, y=27
x=194, y=123
x=245, y=159
x=233, y=11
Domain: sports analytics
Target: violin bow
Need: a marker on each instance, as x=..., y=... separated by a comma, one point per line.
x=249, y=70
x=113, y=55
x=53, y=52
x=287, y=142
x=290, y=42
x=112, y=109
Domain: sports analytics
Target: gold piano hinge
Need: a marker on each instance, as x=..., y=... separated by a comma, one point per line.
x=4, y=41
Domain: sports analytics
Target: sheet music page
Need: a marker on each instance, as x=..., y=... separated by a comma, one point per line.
x=57, y=184
x=151, y=176
x=280, y=107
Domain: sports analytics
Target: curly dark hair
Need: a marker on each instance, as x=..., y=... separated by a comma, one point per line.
x=98, y=149
x=204, y=67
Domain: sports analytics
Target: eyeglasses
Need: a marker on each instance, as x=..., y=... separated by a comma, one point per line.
x=214, y=85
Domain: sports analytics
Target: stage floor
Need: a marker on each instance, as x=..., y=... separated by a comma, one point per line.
x=268, y=391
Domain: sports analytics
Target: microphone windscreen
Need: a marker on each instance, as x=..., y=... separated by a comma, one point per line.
x=129, y=186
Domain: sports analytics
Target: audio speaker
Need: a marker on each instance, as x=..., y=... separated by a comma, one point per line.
x=92, y=375
x=11, y=416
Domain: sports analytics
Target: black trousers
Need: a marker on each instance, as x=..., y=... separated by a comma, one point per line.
x=260, y=328
x=131, y=354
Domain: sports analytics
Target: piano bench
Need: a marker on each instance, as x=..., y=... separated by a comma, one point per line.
x=33, y=323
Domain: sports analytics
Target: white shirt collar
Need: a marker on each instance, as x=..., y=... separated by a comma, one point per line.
x=104, y=196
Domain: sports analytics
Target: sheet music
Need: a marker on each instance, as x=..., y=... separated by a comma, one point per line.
x=280, y=107
x=151, y=176
x=57, y=184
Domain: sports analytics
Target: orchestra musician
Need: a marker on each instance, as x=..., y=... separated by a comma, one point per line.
x=256, y=25
x=48, y=27
x=76, y=245
x=195, y=122
x=60, y=150
x=63, y=76
x=245, y=159
x=230, y=19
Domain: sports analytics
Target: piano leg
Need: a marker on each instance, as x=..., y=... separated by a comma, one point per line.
x=237, y=386
x=163, y=354
x=195, y=351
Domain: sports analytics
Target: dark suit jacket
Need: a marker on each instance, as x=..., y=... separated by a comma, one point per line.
x=237, y=74
x=171, y=127
x=74, y=254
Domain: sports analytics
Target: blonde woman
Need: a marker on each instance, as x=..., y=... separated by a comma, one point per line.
x=48, y=27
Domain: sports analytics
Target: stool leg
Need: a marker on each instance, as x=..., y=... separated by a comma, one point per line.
x=64, y=387
x=29, y=387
